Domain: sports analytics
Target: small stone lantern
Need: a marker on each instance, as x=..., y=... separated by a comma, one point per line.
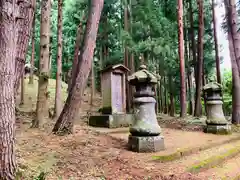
x=216, y=121
x=145, y=132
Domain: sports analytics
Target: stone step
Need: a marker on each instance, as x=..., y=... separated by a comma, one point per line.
x=202, y=161
x=229, y=170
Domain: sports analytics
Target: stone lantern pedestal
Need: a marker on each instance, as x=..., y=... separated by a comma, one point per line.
x=145, y=132
x=216, y=121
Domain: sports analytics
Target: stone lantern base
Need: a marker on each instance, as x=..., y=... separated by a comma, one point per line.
x=146, y=143
x=218, y=129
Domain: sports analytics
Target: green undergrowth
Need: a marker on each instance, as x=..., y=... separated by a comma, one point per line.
x=214, y=160
x=188, y=151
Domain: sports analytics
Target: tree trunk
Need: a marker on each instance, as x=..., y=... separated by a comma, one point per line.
x=165, y=96
x=216, y=44
x=33, y=44
x=42, y=107
x=26, y=12
x=126, y=55
x=92, y=84
x=58, y=99
x=200, y=61
x=183, y=101
x=191, y=96
x=22, y=90
x=172, y=103
x=78, y=42
x=7, y=79
x=64, y=124
x=234, y=45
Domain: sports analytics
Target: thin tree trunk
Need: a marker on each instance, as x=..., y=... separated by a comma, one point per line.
x=193, y=42
x=200, y=61
x=58, y=99
x=126, y=55
x=183, y=101
x=7, y=80
x=26, y=12
x=64, y=124
x=22, y=90
x=78, y=42
x=92, y=84
x=172, y=104
x=42, y=107
x=33, y=45
x=216, y=44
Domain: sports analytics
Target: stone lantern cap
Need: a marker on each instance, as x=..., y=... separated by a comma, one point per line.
x=142, y=76
x=212, y=86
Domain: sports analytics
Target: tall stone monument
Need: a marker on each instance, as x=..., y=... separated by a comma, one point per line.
x=145, y=132
x=216, y=121
x=113, y=81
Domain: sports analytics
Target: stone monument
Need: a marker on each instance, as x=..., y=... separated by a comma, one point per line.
x=145, y=132
x=216, y=121
x=113, y=81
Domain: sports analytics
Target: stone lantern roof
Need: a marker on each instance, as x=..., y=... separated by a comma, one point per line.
x=212, y=86
x=142, y=76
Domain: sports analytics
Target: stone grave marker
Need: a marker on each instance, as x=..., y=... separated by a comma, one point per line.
x=113, y=88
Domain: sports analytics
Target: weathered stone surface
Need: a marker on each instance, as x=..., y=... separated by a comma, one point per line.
x=218, y=129
x=145, y=123
x=216, y=121
x=146, y=143
x=111, y=121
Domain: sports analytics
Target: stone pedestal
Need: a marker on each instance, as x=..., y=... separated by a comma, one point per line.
x=145, y=132
x=111, y=121
x=145, y=143
x=216, y=121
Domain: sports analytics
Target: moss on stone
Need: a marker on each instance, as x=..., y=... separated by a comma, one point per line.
x=214, y=160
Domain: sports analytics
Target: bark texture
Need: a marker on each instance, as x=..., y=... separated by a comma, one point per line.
x=64, y=124
x=7, y=78
x=198, y=108
x=24, y=23
x=58, y=99
x=42, y=104
x=79, y=39
x=183, y=101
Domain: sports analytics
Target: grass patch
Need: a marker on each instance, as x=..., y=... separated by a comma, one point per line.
x=214, y=160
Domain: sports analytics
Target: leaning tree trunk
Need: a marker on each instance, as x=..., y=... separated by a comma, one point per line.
x=26, y=12
x=183, y=101
x=33, y=45
x=198, y=105
x=42, y=106
x=78, y=42
x=7, y=79
x=64, y=124
x=58, y=99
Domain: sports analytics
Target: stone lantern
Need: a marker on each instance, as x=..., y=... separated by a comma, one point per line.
x=216, y=121
x=145, y=133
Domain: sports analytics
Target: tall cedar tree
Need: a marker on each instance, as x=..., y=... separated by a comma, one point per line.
x=183, y=101
x=234, y=45
x=200, y=60
x=64, y=124
x=58, y=99
x=42, y=107
x=26, y=11
x=7, y=79
x=218, y=72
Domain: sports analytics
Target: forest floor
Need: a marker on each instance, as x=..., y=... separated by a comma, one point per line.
x=99, y=153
